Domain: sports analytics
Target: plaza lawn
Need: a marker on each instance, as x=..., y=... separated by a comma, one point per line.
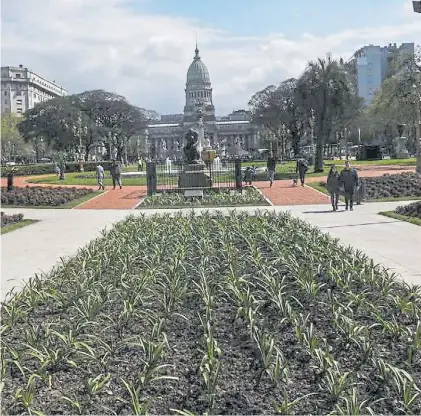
x=211, y=198
x=216, y=314
x=89, y=179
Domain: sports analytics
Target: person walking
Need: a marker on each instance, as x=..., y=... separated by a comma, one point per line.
x=271, y=168
x=333, y=186
x=116, y=174
x=100, y=176
x=301, y=169
x=349, y=180
x=57, y=170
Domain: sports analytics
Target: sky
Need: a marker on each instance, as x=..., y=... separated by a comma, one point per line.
x=142, y=48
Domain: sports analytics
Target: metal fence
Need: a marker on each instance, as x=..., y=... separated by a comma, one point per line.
x=179, y=176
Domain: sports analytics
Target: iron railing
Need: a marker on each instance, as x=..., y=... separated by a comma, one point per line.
x=167, y=177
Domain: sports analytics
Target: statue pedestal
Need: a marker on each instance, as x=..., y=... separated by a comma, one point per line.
x=400, y=148
x=194, y=177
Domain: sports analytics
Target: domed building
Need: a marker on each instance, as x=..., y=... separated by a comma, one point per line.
x=165, y=139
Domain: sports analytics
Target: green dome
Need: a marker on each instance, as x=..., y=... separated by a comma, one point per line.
x=197, y=72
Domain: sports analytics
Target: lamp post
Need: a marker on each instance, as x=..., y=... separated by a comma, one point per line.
x=417, y=102
x=78, y=131
x=311, y=122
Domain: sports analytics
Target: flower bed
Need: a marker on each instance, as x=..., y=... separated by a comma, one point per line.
x=229, y=314
x=402, y=185
x=411, y=210
x=42, y=196
x=211, y=197
x=393, y=186
x=10, y=219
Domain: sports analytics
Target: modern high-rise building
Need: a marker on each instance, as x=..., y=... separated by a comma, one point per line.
x=373, y=66
x=21, y=89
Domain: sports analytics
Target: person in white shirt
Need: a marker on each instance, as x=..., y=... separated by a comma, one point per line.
x=100, y=176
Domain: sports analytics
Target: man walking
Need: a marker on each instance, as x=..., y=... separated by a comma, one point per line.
x=116, y=174
x=349, y=180
x=271, y=167
x=301, y=169
x=100, y=176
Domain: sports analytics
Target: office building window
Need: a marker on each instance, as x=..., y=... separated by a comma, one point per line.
x=17, y=75
x=19, y=110
x=19, y=102
x=5, y=93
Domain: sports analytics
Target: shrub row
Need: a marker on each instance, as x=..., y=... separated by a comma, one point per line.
x=42, y=196
x=10, y=219
x=45, y=168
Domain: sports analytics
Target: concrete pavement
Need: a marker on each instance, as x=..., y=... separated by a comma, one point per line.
x=60, y=233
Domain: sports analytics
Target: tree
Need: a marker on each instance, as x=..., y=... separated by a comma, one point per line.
x=77, y=123
x=275, y=107
x=325, y=89
x=115, y=120
x=12, y=143
x=55, y=121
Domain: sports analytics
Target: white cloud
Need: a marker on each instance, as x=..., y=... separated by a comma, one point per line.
x=88, y=44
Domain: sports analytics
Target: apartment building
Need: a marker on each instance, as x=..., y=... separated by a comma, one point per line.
x=373, y=66
x=21, y=89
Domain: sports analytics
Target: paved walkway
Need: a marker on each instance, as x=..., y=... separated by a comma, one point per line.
x=282, y=192
x=60, y=233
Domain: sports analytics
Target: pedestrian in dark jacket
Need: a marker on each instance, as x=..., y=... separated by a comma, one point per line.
x=349, y=180
x=301, y=169
x=116, y=174
x=248, y=175
x=271, y=167
x=333, y=186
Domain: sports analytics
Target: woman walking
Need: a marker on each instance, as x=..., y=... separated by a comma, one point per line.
x=333, y=185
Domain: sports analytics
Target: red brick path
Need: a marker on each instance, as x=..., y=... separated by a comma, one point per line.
x=281, y=193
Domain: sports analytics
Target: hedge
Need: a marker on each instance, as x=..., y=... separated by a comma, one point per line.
x=46, y=168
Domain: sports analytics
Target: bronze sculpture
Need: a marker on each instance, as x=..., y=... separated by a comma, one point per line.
x=191, y=153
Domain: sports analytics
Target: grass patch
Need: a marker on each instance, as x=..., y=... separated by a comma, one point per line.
x=15, y=226
x=406, y=218
x=191, y=313
x=211, y=198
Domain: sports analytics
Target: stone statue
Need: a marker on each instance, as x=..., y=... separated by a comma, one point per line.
x=191, y=153
x=199, y=114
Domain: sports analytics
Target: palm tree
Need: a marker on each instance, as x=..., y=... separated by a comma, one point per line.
x=324, y=90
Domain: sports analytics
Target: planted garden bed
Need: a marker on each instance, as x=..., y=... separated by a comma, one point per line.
x=231, y=314
x=13, y=222
x=211, y=197
x=43, y=196
x=409, y=213
x=387, y=187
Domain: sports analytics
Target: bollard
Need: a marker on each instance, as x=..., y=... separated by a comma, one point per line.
x=10, y=181
x=151, y=177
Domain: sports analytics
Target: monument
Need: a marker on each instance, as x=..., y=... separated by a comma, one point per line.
x=193, y=179
x=401, y=151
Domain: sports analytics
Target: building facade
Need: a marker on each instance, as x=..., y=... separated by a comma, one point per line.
x=226, y=134
x=21, y=89
x=373, y=66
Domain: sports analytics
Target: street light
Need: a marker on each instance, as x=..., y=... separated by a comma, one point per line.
x=417, y=6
